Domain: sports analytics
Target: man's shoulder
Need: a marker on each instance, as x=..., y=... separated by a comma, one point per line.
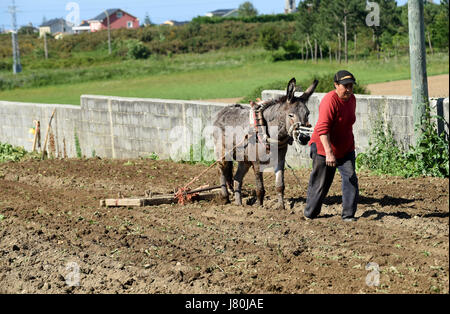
x=330, y=98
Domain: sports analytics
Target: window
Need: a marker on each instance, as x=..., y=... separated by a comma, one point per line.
x=130, y=24
x=119, y=15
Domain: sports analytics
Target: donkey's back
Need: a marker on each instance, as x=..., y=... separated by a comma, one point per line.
x=232, y=116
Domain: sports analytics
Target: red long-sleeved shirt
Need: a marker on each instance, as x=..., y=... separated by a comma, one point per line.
x=336, y=118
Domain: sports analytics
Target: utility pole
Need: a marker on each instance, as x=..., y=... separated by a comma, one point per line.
x=45, y=46
x=17, y=68
x=109, y=32
x=419, y=84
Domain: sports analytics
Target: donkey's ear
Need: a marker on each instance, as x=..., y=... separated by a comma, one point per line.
x=305, y=96
x=290, y=91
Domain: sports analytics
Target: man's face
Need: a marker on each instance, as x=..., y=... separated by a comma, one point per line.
x=344, y=91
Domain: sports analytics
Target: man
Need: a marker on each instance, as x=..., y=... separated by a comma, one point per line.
x=333, y=146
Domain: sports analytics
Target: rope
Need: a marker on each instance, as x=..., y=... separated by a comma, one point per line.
x=298, y=180
x=182, y=194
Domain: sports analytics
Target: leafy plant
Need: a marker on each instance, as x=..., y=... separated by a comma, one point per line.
x=428, y=157
x=9, y=152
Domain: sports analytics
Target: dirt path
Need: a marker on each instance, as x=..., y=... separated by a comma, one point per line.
x=52, y=229
x=438, y=86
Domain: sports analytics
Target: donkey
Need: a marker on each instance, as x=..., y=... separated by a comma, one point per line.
x=237, y=138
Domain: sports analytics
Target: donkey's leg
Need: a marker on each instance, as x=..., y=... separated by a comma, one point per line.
x=228, y=172
x=260, y=192
x=279, y=182
x=238, y=178
x=224, y=167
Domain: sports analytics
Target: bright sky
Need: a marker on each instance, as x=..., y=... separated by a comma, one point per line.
x=159, y=10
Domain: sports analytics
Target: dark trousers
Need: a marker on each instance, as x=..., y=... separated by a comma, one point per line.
x=320, y=181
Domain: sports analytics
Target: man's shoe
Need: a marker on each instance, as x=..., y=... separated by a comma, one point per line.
x=349, y=219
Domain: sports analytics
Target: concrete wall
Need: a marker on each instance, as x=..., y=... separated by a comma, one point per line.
x=116, y=127
x=112, y=127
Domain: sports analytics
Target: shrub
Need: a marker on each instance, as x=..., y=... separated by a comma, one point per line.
x=137, y=50
x=292, y=49
x=270, y=38
x=5, y=65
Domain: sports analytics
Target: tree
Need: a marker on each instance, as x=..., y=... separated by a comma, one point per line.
x=147, y=20
x=342, y=15
x=436, y=22
x=247, y=9
x=309, y=24
x=390, y=22
x=28, y=30
x=439, y=29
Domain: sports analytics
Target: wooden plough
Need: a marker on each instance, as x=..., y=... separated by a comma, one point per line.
x=182, y=196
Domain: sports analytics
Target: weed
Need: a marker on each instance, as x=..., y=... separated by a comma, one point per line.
x=428, y=157
x=77, y=145
x=153, y=156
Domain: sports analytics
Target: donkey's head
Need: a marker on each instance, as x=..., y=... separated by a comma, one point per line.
x=296, y=111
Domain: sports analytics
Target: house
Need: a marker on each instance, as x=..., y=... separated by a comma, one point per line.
x=84, y=27
x=223, y=13
x=117, y=19
x=174, y=23
x=55, y=26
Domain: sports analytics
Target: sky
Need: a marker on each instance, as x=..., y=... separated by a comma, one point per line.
x=159, y=11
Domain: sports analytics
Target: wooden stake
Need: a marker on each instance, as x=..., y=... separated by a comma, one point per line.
x=44, y=152
x=36, y=133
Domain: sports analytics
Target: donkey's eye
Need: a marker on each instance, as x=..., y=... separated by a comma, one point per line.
x=291, y=115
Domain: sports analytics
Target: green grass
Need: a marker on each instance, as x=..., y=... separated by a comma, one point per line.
x=220, y=74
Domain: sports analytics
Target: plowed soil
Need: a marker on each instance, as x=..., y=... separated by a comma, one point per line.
x=53, y=229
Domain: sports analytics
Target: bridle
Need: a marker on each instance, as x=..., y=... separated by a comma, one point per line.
x=300, y=134
x=296, y=132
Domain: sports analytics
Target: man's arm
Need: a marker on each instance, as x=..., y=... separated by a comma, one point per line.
x=330, y=159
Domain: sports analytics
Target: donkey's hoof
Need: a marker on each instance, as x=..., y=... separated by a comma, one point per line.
x=223, y=200
x=280, y=206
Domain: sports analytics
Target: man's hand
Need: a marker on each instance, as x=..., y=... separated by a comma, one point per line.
x=330, y=159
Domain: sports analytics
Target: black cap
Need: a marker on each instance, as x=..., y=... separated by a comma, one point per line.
x=344, y=77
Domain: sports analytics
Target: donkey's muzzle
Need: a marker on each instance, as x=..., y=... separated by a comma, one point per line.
x=303, y=138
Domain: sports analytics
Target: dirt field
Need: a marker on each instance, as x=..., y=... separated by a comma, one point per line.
x=51, y=223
